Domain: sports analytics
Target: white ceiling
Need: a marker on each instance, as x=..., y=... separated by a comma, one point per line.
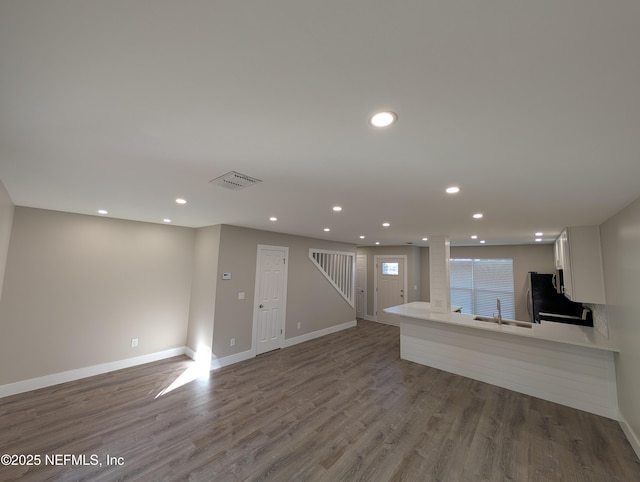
x=532, y=108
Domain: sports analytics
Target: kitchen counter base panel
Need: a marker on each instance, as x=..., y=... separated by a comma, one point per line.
x=572, y=375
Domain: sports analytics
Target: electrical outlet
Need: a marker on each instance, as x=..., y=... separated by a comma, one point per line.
x=298, y=325
x=241, y=295
x=232, y=342
x=134, y=342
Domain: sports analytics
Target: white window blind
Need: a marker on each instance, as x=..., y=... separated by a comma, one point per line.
x=476, y=284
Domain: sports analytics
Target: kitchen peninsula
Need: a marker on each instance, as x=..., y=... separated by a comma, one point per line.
x=567, y=364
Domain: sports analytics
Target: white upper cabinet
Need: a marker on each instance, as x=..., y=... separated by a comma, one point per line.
x=581, y=262
x=558, y=253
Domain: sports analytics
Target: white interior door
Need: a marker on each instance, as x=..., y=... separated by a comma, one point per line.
x=270, y=298
x=390, y=286
x=361, y=286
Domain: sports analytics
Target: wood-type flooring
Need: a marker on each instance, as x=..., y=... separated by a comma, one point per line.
x=343, y=407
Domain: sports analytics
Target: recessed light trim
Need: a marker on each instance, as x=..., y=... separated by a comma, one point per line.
x=478, y=216
x=425, y=239
x=102, y=211
x=377, y=242
x=181, y=201
x=166, y=220
x=538, y=240
x=337, y=208
x=273, y=219
x=452, y=190
x=538, y=234
x=383, y=119
x=482, y=241
x=326, y=230
x=361, y=236
x=386, y=225
x=474, y=236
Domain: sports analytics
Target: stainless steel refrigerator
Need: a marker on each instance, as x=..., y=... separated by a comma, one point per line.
x=544, y=303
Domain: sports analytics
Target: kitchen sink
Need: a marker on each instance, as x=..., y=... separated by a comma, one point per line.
x=489, y=319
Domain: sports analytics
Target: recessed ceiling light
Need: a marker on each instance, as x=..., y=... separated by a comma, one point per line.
x=273, y=218
x=166, y=220
x=474, y=236
x=361, y=237
x=181, y=201
x=453, y=190
x=538, y=240
x=425, y=239
x=482, y=241
x=386, y=225
x=337, y=208
x=326, y=230
x=478, y=215
x=377, y=242
x=383, y=119
x=539, y=234
x=103, y=211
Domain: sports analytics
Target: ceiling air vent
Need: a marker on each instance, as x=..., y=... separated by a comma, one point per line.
x=235, y=181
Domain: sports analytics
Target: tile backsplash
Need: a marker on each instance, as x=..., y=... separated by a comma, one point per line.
x=600, y=318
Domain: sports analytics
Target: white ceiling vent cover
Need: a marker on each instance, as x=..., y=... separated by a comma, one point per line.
x=235, y=181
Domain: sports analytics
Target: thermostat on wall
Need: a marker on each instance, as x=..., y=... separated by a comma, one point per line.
x=226, y=275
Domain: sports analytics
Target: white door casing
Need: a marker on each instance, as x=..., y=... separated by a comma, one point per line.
x=361, y=286
x=390, y=287
x=270, y=298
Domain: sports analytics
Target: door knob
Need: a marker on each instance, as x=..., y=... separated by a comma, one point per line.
x=261, y=306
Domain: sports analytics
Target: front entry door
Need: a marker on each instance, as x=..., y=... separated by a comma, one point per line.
x=270, y=298
x=390, y=282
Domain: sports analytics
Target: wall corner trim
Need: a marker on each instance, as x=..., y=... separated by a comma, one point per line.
x=90, y=371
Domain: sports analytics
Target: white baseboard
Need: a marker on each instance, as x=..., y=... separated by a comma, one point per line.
x=317, y=334
x=71, y=375
x=190, y=353
x=231, y=359
x=632, y=437
x=246, y=355
x=90, y=371
x=224, y=361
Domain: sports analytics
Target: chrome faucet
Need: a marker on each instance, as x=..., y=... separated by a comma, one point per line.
x=499, y=306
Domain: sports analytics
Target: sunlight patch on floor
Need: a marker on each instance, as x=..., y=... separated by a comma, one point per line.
x=199, y=369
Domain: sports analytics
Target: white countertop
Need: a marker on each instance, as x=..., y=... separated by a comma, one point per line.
x=557, y=332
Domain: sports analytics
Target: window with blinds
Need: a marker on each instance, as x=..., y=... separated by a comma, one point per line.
x=476, y=284
x=339, y=268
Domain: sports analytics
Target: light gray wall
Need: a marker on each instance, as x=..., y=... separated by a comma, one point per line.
x=203, y=289
x=413, y=255
x=78, y=288
x=6, y=221
x=526, y=257
x=311, y=300
x=620, y=238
